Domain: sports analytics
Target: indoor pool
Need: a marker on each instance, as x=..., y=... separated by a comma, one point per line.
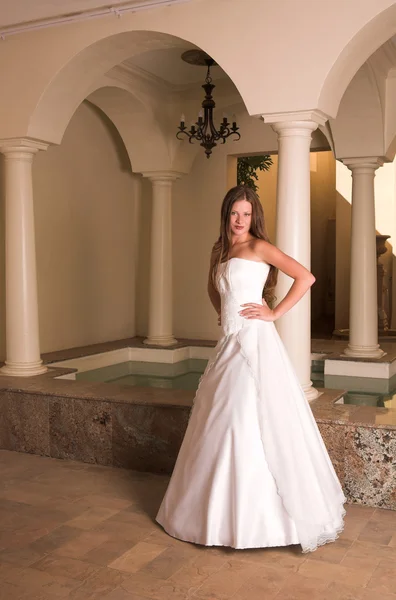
x=183, y=375
x=182, y=368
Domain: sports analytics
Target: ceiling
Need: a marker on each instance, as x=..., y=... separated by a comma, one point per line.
x=22, y=12
x=167, y=64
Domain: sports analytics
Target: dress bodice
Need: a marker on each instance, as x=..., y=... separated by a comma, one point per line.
x=240, y=281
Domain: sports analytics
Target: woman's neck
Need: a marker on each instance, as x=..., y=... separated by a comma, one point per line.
x=236, y=242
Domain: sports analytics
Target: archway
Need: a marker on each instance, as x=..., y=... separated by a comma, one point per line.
x=363, y=44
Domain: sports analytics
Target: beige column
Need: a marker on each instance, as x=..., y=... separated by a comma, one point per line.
x=363, y=314
x=160, y=329
x=293, y=236
x=22, y=327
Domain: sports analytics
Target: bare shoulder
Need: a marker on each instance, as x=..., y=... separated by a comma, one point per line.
x=263, y=249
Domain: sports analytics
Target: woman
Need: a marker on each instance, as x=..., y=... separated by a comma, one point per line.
x=253, y=470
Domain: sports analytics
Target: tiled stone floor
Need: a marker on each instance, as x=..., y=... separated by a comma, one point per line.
x=79, y=531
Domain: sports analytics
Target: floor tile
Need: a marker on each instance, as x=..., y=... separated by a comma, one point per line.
x=22, y=557
x=137, y=557
x=265, y=584
x=298, y=587
x=58, y=537
x=341, y=591
x=332, y=553
x=80, y=545
x=377, y=532
x=98, y=585
x=198, y=570
x=333, y=572
x=168, y=562
x=92, y=517
x=227, y=581
x=84, y=532
x=108, y=552
x=359, y=511
x=120, y=594
x=65, y=567
x=155, y=589
x=353, y=528
x=383, y=580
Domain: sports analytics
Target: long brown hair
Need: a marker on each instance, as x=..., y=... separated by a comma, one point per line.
x=222, y=247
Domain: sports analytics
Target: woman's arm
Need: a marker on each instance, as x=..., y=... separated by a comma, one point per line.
x=212, y=292
x=303, y=280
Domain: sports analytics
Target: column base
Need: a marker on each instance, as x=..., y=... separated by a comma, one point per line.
x=14, y=369
x=364, y=351
x=310, y=392
x=167, y=340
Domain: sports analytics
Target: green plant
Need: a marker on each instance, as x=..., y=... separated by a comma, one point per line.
x=247, y=167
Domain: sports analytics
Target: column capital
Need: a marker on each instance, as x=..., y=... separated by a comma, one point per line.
x=315, y=116
x=366, y=163
x=162, y=176
x=26, y=145
x=302, y=129
x=290, y=129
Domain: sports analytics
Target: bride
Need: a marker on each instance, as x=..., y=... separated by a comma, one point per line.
x=252, y=471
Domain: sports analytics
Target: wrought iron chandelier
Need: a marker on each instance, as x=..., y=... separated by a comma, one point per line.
x=204, y=130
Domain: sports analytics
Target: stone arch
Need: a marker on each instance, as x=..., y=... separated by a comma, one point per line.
x=146, y=146
x=362, y=45
x=76, y=79
x=361, y=110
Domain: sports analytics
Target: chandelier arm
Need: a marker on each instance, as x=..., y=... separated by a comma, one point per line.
x=236, y=133
x=179, y=133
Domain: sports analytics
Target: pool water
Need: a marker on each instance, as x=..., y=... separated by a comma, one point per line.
x=182, y=375
x=185, y=375
x=361, y=391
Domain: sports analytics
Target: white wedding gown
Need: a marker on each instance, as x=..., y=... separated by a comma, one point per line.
x=252, y=470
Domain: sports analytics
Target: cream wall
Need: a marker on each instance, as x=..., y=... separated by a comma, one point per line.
x=323, y=212
x=2, y=263
x=143, y=259
x=196, y=208
x=84, y=202
x=343, y=246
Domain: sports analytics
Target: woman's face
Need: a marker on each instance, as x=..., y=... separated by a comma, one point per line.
x=240, y=218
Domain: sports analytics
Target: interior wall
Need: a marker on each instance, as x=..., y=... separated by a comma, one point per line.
x=85, y=199
x=343, y=243
x=2, y=263
x=323, y=212
x=196, y=208
x=144, y=253
x=385, y=222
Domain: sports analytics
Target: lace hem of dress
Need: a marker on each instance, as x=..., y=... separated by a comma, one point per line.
x=325, y=537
